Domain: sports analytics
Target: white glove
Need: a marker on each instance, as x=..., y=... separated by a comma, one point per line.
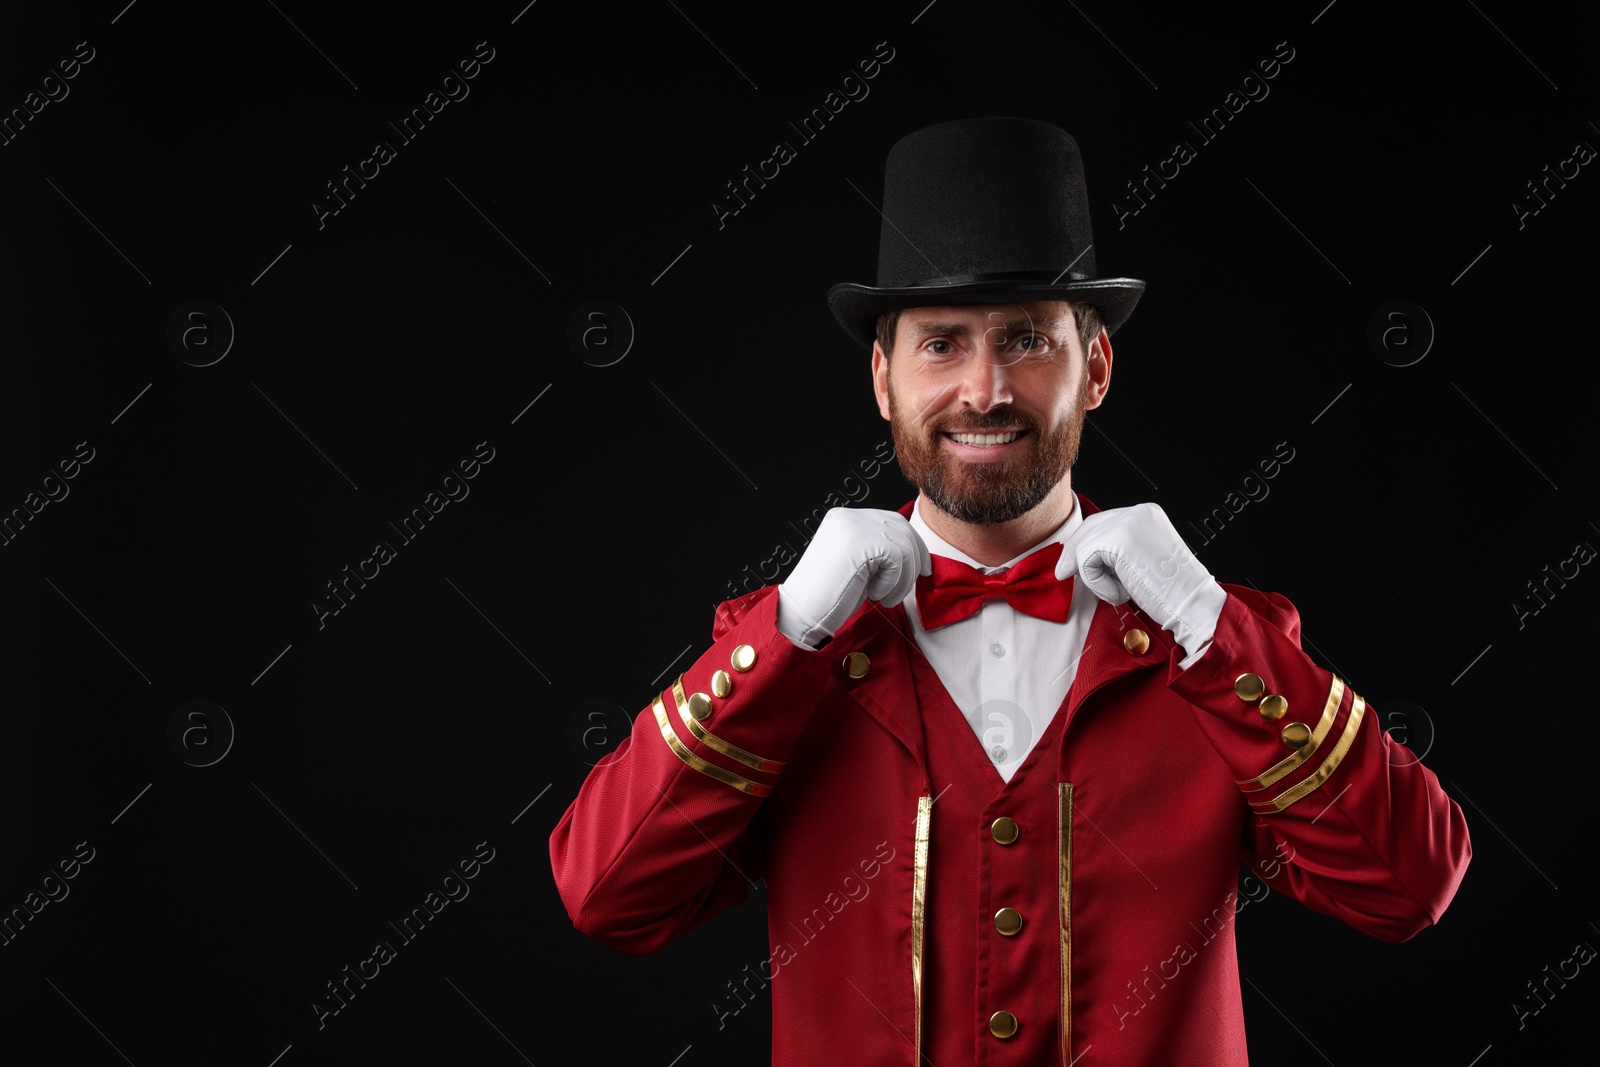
x=1136, y=553
x=858, y=554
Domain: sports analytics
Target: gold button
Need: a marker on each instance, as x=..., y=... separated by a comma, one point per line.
x=700, y=706
x=1002, y=1024
x=1004, y=829
x=744, y=657
x=1249, y=687
x=1008, y=921
x=1274, y=707
x=1296, y=734
x=856, y=665
x=721, y=684
x=1137, y=642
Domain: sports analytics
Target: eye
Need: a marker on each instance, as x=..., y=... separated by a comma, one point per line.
x=932, y=347
x=1033, y=342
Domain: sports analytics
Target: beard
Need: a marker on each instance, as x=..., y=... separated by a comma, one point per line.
x=995, y=492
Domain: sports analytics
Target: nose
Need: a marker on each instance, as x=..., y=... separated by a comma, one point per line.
x=985, y=381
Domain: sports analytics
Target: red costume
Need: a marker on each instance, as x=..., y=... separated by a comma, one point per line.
x=920, y=906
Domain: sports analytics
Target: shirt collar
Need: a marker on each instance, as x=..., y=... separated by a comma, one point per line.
x=938, y=546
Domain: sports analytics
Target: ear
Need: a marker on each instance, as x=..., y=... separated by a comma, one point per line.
x=880, y=379
x=1098, y=368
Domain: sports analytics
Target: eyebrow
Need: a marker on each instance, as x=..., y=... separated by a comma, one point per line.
x=931, y=329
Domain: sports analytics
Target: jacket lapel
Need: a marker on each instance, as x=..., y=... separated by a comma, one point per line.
x=1107, y=654
x=887, y=692
x=1109, y=650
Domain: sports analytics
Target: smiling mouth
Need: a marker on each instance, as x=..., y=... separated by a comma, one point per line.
x=986, y=440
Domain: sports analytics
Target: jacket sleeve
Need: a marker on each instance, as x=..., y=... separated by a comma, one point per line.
x=1351, y=823
x=664, y=832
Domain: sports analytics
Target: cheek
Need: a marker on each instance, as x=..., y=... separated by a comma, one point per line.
x=1074, y=391
x=927, y=393
x=1050, y=397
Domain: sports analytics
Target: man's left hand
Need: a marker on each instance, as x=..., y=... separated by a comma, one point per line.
x=1135, y=553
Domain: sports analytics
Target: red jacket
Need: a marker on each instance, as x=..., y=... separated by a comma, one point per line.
x=920, y=906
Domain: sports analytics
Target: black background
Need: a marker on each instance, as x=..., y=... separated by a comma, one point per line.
x=435, y=711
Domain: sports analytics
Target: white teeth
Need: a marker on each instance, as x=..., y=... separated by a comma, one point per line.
x=985, y=439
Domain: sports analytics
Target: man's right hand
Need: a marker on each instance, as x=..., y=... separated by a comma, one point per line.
x=858, y=554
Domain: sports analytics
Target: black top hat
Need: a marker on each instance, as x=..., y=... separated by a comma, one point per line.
x=983, y=211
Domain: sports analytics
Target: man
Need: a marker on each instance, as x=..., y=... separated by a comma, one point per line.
x=999, y=754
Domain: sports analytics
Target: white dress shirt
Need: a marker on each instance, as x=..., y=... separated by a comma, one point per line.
x=1006, y=670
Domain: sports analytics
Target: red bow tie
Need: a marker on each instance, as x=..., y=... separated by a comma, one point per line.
x=954, y=590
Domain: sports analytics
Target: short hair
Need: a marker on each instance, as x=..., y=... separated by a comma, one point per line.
x=1087, y=316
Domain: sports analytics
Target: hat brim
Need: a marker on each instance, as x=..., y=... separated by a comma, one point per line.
x=857, y=307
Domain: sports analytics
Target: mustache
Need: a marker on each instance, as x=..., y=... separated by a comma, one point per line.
x=994, y=420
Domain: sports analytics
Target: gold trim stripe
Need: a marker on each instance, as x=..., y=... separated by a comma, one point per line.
x=919, y=910
x=710, y=770
x=715, y=743
x=1305, y=788
x=1330, y=711
x=1064, y=816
